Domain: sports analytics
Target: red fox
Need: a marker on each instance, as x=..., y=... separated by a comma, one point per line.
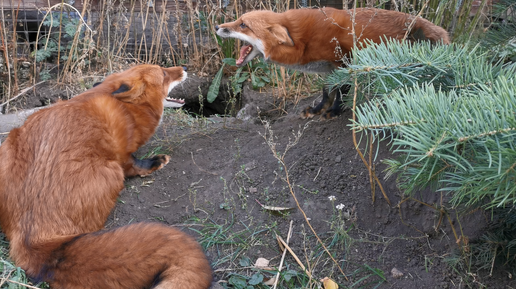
x=61, y=173
x=316, y=40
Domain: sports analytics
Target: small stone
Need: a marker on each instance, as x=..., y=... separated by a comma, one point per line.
x=338, y=159
x=396, y=273
x=253, y=190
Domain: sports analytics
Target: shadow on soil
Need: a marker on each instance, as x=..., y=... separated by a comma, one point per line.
x=223, y=170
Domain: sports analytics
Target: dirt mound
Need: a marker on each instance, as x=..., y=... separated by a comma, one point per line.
x=223, y=171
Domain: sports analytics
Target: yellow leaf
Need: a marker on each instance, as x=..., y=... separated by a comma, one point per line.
x=329, y=284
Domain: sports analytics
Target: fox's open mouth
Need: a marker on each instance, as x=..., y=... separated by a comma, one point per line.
x=176, y=100
x=244, y=52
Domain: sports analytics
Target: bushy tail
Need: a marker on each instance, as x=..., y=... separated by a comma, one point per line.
x=143, y=255
x=426, y=30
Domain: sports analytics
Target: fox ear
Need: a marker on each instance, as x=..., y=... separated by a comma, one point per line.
x=123, y=88
x=127, y=93
x=281, y=33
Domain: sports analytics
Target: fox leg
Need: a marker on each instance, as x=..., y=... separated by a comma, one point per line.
x=336, y=108
x=325, y=103
x=144, y=167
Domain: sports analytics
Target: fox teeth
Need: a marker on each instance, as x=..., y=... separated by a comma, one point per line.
x=178, y=100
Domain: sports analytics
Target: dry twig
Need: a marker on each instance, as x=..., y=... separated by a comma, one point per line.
x=20, y=94
x=284, y=253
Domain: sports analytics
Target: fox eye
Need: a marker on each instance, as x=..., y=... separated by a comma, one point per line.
x=242, y=25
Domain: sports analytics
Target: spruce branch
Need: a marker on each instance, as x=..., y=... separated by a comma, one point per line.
x=450, y=113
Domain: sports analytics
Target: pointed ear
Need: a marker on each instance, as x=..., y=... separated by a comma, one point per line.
x=123, y=88
x=129, y=93
x=281, y=34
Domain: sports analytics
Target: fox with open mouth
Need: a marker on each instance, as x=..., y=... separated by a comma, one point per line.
x=306, y=39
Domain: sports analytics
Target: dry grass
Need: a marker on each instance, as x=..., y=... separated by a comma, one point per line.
x=168, y=32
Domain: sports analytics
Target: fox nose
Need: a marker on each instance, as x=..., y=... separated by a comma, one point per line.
x=185, y=68
x=216, y=27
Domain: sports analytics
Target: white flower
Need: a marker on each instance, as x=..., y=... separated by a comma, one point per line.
x=332, y=198
x=340, y=206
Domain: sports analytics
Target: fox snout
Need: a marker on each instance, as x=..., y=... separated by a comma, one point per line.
x=223, y=32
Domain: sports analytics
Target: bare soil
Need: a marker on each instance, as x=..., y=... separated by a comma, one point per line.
x=222, y=171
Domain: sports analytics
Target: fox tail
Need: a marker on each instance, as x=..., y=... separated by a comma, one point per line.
x=142, y=255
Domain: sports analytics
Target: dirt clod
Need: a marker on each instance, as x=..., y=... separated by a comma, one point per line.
x=396, y=273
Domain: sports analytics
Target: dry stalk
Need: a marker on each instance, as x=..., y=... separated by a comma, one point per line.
x=3, y=280
x=196, y=57
x=119, y=38
x=143, y=39
x=411, y=25
x=283, y=255
x=125, y=39
x=159, y=35
x=441, y=212
x=372, y=174
x=22, y=284
x=169, y=41
x=5, y=48
x=49, y=10
x=59, y=38
x=68, y=64
x=15, y=47
x=287, y=248
x=101, y=24
x=281, y=159
x=20, y=94
x=178, y=31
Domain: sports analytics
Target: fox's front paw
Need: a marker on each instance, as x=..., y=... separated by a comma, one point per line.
x=307, y=113
x=145, y=167
x=159, y=161
x=331, y=113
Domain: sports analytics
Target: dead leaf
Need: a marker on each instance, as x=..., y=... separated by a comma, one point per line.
x=272, y=208
x=329, y=284
x=261, y=263
x=270, y=282
x=147, y=183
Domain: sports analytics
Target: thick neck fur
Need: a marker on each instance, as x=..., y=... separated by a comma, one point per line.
x=139, y=120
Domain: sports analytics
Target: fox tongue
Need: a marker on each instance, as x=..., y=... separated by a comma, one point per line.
x=244, y=51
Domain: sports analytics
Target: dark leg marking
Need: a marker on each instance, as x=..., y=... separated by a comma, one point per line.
x=149, y=164
x=322, y=106
x=144, y=167
x=336, y=108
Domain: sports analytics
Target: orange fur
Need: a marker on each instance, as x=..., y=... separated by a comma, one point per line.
x=318, y=40
x=316, y=33
x=60, y=176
